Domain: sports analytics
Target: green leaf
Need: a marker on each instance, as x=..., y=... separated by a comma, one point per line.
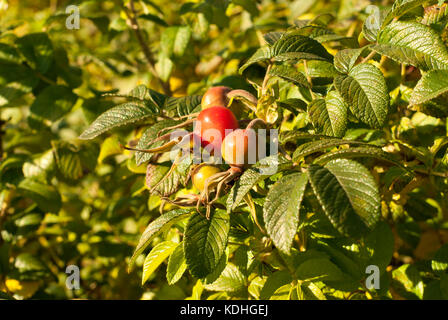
x=281, y=209
x=297, y=46
x=230, y=280
x=329, y=115
x=156, y=227
x=345, y=59
x=413, y=43
x=319, y=270
x=46, y=196
x=120, y=115
x=248, y=5
x=348, y=195
x=430, y=86
x=53, y=102
x=153, y=18
x=37, y=50
x=30, y=267
x=183, y=105
x=258, y=172
x=372, y=24
x=174, y=178
x=380, y=245
x=400, y=7
x=290, y=74
x=273, y=282
x=311, y=147
x=407, y=283
x=262, y=54
x=205, y=242
x=176, y=265
x=155, y=258
x=365, y=92
x=368, y=151
x=440, y=261
x=40, y=167
x=174, y=41
x=149, y=135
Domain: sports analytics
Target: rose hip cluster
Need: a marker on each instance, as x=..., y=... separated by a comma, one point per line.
x=218, y=130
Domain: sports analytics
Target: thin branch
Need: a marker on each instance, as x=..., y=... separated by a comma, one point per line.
x=370, y=56
x=132, y=16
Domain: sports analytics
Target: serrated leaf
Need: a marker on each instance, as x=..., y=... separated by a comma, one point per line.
x=400, y=7
x=430, y=86
x=348, y=195
x=258, y=172
x=46, y=196
x=365, y=92
x=346, y=59
x=329, y=115
x=155, y=258
x=53, y=102
x=262, y=54
x=183, y=105
x=281, y=209
x=176, y=265
x=230, y=280
x=120, y=115
x=149, y=135
x=272, y=37
x=412, y=43
x=290, y=74
x=174, y=178
x=311, y=147
x=372, y=24
x=156, y=227
x=301, y=47
x=356, y=152
x=205, y=241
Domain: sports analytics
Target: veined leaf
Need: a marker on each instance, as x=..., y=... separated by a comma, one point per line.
x=314, y=146
x=430, y=86
x=183, y=105
x=346, y=59
x=407, y=282
x=159, y=225
x=155, y=258
x=258, y=172
x=365, y=92
x=319, y=270
x=348, y=195
x=149, y=135
x=262, y=54
x=205, y=242
x=176, y=265
x=281, y=209
x=329, y=115
x=120, y=115
x=294, y=45
x=356, y=152
x=413, y=43
x=290, y=74
x=230, y=280
x=400, y=7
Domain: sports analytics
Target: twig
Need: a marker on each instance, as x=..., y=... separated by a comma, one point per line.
x=132, y=16
x=370, y=56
